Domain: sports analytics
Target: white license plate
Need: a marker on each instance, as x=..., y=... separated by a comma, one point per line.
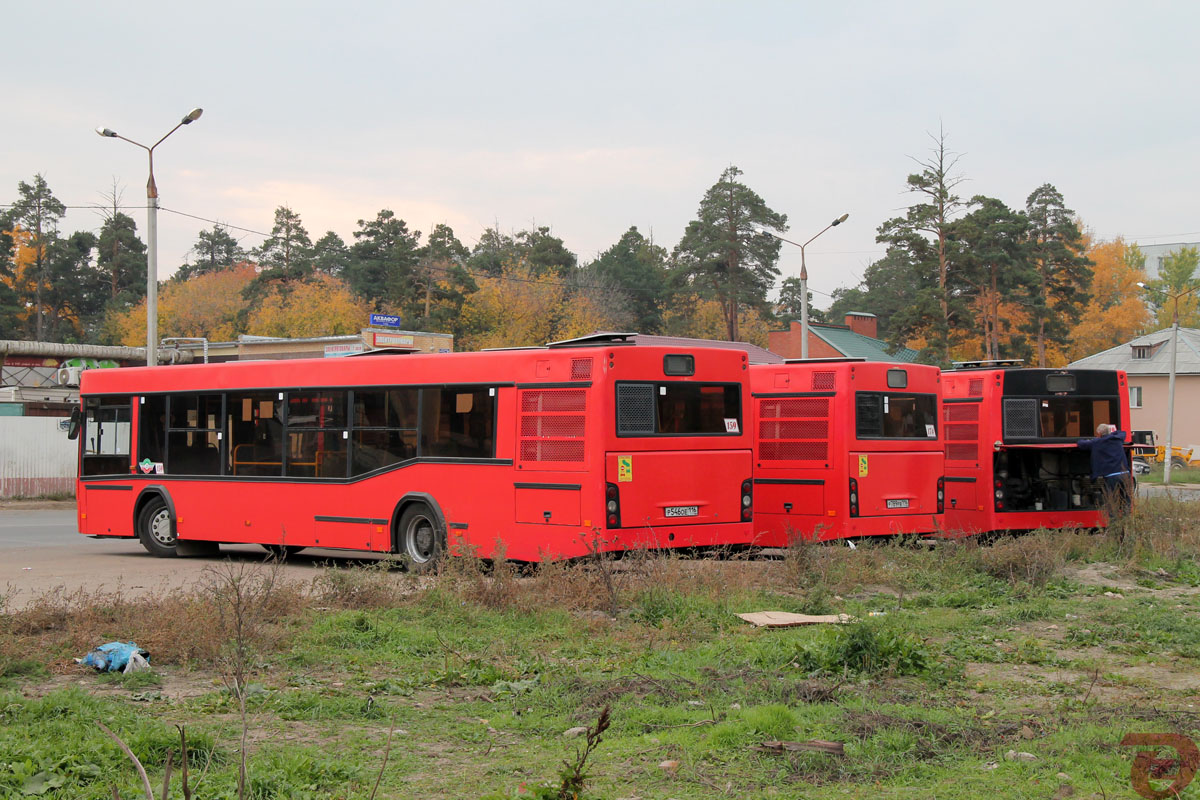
x=683, y=511
x=897, y=504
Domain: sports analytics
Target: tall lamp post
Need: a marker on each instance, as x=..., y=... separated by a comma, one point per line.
x=152, y=233
x=804, y=280
x=1169, y=453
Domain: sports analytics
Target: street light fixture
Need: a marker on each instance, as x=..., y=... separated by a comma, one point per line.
x=804, y=279
x=152, y=233
x=1169, y=453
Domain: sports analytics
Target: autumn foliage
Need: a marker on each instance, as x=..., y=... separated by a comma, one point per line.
x=213, y=305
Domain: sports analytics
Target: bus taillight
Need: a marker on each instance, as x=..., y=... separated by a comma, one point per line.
x=999, y=495
x=747, y=500
x=941, y=495
x=612, y=505
x=853, y=497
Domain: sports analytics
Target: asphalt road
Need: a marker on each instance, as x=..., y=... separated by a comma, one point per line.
x=41, y=550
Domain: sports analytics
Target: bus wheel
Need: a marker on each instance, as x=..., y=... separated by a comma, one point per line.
x=282, y=551
x=420, y=541
x=155, y=530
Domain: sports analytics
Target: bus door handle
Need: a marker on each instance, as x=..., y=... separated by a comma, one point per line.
x=546, y=514
x=787, y=507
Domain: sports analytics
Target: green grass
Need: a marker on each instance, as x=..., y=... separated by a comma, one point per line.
x=984, y=650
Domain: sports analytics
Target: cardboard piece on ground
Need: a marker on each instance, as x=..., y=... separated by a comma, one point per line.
x=785, y=619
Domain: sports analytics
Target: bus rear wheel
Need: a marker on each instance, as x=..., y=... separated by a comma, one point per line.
x=420, y=541
x=156, y=529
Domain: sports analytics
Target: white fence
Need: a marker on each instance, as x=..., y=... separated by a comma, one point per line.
x=36, y=457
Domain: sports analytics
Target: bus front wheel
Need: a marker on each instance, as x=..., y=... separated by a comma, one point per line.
x=156, y=529
x=420, y=540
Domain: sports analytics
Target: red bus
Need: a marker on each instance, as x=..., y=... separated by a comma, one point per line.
x=1011, y=459
x=844, y=448
x=548, y=451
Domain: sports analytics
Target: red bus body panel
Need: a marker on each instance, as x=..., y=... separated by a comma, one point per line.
x=807, y=451
x=542, y=495
x=972, y=416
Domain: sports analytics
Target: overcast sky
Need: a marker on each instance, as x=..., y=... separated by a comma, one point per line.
x=589, y=118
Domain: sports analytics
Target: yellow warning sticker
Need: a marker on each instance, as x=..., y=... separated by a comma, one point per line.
x=862, y=466
x=624, y=469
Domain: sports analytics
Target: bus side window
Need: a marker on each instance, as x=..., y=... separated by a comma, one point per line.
x=152, y=429
x=107, y=435
x=254, y=430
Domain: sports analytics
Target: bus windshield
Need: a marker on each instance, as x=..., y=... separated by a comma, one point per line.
x=884, y=415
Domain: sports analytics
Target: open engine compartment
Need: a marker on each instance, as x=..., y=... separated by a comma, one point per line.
x=1046, y=480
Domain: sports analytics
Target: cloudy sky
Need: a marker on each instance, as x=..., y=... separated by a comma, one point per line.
x=589, y=118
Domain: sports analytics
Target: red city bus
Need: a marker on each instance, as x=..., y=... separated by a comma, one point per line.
x=548, y=452
x=1011, y=459
x=845, y=447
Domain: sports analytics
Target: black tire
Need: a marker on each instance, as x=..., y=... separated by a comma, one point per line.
x=419, y=538
x=156, y=529
x=282, y=551
x=1178, y=463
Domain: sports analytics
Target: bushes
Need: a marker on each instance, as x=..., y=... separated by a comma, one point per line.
x=865, y=648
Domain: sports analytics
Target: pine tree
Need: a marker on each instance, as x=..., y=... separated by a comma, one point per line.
x=725, y=253
x=1063, y=272
x=37, y=211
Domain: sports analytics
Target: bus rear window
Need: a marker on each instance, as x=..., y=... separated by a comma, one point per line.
x=880, y=415
x=1070, y=417
x=678, y=409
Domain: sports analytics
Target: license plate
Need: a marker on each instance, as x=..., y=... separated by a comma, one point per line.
x=683, y=511
x=897, y=504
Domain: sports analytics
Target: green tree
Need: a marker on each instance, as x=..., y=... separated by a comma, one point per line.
x=1176, y=276
x=37, y=211
x=788, y=310
x=76, y=291
x=637, y=268
x=330, y=255
x=215, y=249
x=993, y=265
x=725, y=253
x=443, y=276
x=383, y=268
x=122, y=255
x=286, y=255
x=492, y=252
x=923, y=236
x=10, y=305
x=545, y=253
x=1064, y=273
x=901, y=290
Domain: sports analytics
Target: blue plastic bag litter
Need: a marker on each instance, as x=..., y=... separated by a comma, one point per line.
x=114, y=656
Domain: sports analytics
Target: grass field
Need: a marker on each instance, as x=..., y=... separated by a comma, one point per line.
x=1009, y=669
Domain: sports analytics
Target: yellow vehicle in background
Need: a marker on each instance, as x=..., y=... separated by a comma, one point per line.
x=1147, y=450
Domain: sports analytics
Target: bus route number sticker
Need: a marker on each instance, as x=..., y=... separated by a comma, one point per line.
x=862, y=466
x=731, y=425
x=624, y=469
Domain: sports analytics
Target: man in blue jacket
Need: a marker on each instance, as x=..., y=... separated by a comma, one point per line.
x=1110, y=464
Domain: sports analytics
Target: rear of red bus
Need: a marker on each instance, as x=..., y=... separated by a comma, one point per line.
x=677, y=455
x=846, y=448
x=1012, y=462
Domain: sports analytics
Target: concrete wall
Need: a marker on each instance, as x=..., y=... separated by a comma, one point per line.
x=1152, y=416
x=36, y=458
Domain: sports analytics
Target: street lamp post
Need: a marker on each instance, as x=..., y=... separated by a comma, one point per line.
x=804, y=280
x=1169, y=453
x=152, y=234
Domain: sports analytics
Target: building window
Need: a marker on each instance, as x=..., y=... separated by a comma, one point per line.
x=1141, y=351
x=1135, y=397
